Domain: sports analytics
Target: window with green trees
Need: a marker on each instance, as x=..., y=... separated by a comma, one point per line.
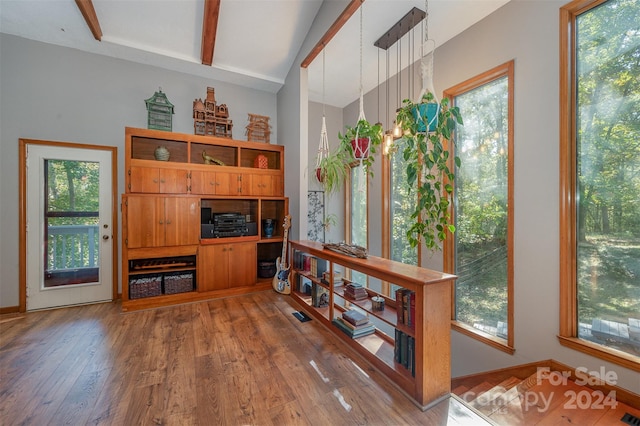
x=401, y=205
x=600, y=179
x=357, y=194
x=481, y=252
x=71, y=222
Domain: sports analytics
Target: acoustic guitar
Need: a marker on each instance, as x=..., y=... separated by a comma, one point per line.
x=281, y=279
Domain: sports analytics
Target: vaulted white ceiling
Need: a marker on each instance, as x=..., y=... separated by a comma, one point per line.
x=256, y=40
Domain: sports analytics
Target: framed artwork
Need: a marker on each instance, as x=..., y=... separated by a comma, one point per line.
x=315, y=216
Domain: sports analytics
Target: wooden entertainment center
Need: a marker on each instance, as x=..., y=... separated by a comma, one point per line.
x=192, y=230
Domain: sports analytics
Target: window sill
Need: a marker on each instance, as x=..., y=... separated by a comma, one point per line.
x=599, y=351
x=493, y=341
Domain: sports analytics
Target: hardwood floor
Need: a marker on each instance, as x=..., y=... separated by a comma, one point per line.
x=240, y=360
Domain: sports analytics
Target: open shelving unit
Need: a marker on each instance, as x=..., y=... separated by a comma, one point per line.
x=427, y=380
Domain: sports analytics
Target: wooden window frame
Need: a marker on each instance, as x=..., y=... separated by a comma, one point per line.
x=505, y=345
x=568, y=335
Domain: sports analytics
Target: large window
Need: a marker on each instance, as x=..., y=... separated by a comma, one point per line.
x=480, y=252
x=600, y=179
x=357, y=215
x=402, y=201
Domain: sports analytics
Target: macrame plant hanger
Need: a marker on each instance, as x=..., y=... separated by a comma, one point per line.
x=426, y=69
x=323, y=147
x=358, y=150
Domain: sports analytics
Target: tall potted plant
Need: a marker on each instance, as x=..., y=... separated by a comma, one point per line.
x=427, y=156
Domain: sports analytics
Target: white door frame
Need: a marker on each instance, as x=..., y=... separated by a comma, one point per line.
x=23, y=220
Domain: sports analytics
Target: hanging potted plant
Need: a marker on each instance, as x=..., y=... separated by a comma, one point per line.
x=360, y=143
x=427, y=166
x=332, y=170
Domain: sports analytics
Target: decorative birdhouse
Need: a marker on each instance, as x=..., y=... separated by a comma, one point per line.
x=258, y=129
x=211, y=119
x=160, y=111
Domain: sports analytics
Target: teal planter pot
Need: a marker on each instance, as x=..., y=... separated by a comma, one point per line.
x=426, y=114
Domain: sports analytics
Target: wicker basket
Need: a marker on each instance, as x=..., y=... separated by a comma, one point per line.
x=141, y=286
x=179, y=282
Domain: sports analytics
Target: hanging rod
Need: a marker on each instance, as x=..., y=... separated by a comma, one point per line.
x=400, y=28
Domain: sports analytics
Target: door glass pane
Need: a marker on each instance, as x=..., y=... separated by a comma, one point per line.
x=608, y=176
x=71, y=222
x=481, y=212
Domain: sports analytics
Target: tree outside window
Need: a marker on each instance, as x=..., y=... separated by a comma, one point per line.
x=600, y=164
x=481, y=251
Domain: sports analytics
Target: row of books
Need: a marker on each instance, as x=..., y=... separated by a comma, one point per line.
x=355, y=291
x=406, y=307
x=354, y=324
x=308, y=263
x=404, y=351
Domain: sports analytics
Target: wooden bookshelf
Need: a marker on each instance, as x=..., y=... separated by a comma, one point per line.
x=431, y=378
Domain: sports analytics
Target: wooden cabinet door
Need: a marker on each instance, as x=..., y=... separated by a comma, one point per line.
x=203, y=182
x=154, y=180
x=182, y=221
x=260, y=184
x=277, y=186
x=144, y=179
x=173, y=181
x=243, y=268
x=266, y=185
x=213, y=268
x=225, y=183
x=145, y=221
x=223, y=266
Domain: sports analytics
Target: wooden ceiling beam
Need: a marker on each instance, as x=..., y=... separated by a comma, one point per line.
x=89, y=14
x=351, y=8
x=209, y=29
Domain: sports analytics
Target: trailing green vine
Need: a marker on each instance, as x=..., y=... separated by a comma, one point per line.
x=427, y=160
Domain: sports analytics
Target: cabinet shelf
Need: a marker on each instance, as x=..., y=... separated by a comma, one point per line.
x=423, y=372
x=388, y=315
x=160, y=270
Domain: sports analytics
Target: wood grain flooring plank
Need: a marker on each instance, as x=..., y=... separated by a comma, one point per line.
x=85, y=391
x=212, y=397
x=40, y=392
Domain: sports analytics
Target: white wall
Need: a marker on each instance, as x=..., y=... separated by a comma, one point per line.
x=56, y=93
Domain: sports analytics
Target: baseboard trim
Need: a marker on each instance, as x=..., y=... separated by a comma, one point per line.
x=9, y=310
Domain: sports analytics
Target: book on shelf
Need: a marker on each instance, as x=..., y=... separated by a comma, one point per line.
x=354, y=317
x=304, y=284
x=355, y=291
x=404, y=351
x=351, y=332
x=406, y=307
x=319, y=296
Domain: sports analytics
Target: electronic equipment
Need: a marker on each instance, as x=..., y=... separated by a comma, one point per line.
x=225, y=225
x=205, y=215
